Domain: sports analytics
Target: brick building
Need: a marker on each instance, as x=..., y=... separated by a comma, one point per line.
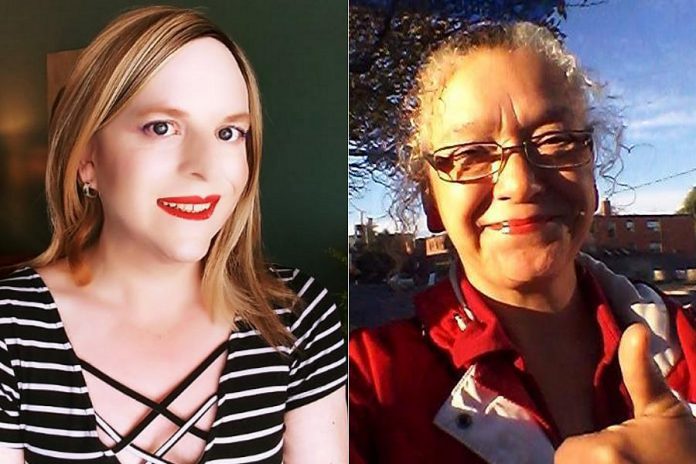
x=653, y=247
x=649, y=233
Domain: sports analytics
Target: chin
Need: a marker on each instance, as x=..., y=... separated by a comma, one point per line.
x=190, y=253
x=532, y=266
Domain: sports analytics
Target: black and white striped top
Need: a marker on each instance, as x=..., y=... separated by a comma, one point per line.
x=45, y=408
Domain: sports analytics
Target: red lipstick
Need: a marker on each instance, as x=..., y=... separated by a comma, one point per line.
x=192, y=207
x=521, y=226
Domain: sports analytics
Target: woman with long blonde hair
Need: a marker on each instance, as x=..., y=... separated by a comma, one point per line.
x=151, y=330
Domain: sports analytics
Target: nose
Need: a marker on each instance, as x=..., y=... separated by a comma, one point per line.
x=198, y=156
x=518, y=180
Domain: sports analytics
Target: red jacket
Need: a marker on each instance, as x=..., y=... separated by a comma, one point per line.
x=443, y=387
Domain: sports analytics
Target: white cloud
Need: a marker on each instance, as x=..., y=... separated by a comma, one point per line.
x=668, y=119
x=648, y=201
x=651, y=117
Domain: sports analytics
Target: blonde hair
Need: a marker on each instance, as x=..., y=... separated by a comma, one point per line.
x=236, y=282
x=442, y=60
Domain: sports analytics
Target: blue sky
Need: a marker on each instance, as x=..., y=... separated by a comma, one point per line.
x=645, y=51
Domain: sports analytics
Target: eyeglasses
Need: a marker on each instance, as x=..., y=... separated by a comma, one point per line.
x=466, y=162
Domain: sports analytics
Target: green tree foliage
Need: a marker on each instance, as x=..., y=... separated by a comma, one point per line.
x=374, y=266
x=689, y=205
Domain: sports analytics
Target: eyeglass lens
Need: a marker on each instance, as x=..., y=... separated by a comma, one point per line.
x=476, y=160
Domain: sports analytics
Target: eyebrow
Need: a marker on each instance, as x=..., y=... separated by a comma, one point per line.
x=463, y=127
x=179, y=113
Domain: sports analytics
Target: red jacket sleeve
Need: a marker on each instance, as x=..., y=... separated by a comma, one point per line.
x=362, y=401
x=683, y=376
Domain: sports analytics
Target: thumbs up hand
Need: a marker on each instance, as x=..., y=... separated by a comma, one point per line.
x=663, y=431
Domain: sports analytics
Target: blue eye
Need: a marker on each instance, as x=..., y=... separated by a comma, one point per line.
x=160, y=128
x=231, y=134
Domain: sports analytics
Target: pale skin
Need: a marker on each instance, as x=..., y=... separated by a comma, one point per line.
x=529, y=278
x=141, y=318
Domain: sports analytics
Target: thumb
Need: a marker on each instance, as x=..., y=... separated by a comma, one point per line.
x=646, y=386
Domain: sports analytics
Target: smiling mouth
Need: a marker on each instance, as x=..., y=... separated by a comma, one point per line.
x=534, y=223
x=522, y=226
x=192, y=207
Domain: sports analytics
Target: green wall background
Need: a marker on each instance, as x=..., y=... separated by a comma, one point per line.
x=299, y=51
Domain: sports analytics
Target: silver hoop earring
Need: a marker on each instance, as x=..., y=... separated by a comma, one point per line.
x=88, y=191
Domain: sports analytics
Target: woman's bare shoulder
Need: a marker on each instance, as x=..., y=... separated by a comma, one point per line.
x=56, y=276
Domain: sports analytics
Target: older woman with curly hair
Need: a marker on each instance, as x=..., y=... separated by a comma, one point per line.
x=530, y=352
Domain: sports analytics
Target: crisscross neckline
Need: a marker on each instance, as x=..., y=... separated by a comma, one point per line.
x=155, y=407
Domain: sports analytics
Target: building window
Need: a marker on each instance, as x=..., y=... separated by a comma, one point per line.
x=653, y=225
x=611, y=230
x=655, y=247
x=630, y=225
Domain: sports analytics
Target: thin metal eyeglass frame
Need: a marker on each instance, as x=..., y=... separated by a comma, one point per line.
x=588, y=144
